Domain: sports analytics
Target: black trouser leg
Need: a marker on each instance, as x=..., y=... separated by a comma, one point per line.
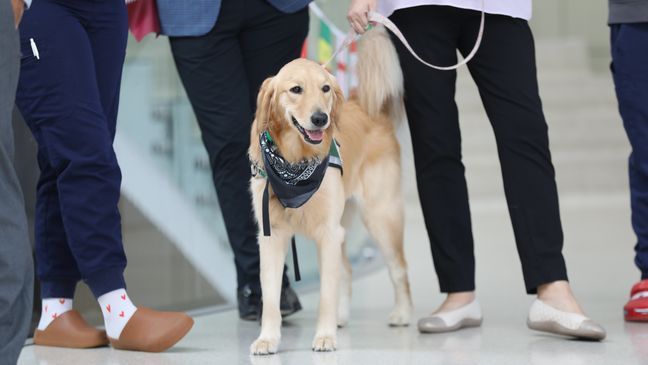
x=505, y=73
x=222, y=72
x=436, y=139
x=269, y=40
x=211, y=70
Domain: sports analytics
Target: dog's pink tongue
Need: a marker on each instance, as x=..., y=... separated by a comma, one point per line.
x=315, y=135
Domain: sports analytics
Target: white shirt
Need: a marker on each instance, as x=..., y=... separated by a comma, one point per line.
x=514, y=8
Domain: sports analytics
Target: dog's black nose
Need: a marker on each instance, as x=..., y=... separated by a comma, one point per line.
x=319, y=119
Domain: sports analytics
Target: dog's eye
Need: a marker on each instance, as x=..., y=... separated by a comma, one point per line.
x=326, y=88
x=296, y=90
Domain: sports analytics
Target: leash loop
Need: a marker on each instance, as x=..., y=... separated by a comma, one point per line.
x=379, y=18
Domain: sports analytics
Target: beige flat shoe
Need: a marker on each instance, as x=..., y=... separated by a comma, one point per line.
x=469, y=315
x=545, y=318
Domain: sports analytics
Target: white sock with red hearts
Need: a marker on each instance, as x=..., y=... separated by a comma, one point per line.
x=117, y=309
x=51, y=309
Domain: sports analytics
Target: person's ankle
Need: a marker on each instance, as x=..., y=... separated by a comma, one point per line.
x=554, y=290
x=559, y=295
x=456, y=300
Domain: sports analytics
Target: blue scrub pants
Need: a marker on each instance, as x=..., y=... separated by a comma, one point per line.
x=69, y=96
x=630, y=70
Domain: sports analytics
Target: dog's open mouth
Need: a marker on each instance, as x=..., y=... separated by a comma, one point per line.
x=311, y=136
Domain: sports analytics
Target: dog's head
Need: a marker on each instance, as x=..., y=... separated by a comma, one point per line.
x=303, y=100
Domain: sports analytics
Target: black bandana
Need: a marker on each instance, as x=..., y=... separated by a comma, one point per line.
x=294, y=183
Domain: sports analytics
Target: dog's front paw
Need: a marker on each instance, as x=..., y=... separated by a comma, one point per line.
x=324, y=343
x=264, y=346
x=400, y=316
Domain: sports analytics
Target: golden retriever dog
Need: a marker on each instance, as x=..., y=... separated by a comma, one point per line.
x=303, y=110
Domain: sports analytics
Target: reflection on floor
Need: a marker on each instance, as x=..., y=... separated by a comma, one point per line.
x=601, y=272
x=221, y=339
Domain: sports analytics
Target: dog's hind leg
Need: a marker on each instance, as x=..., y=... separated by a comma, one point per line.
x=382, y=211
x=273, y=255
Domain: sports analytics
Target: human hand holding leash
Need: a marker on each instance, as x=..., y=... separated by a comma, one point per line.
x=361, y=14
x=18, y=9
x=358, y=15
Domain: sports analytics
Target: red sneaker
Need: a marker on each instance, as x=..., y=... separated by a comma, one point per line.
x=637, y=307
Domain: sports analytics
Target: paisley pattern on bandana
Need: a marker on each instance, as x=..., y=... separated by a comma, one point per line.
x=290, y=173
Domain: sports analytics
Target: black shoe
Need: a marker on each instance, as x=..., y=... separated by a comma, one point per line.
x=289, y=302
x=249, y=304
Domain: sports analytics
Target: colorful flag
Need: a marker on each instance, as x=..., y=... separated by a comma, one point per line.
x=325, y=43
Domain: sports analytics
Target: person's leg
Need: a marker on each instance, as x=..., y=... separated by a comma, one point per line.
x=55, y=265
x=630, y=71
x=505, y=73
x=276, y=38
x=436, y=140
x=214, y=75
x=212, y=72
x=75, y=171
x=58, y=97
x=107, y=28
x=63, y=100
x=16, y=267
x=504, y=70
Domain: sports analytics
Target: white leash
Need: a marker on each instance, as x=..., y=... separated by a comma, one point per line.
x=379, y=18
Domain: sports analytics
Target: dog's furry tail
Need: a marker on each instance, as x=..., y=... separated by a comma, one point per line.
x=380, y=79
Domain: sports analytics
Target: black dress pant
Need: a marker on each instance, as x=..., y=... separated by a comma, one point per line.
x=222, y=72
x=505, y=73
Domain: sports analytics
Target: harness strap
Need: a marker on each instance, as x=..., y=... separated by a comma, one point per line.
x=266, y=230
x=295, y=260
x=266, y=210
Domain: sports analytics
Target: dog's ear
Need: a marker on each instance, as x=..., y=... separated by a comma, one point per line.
x=265, y=102
x=338, y=100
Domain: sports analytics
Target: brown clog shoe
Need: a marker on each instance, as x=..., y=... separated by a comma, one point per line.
x=149, y=330
x=72, y=331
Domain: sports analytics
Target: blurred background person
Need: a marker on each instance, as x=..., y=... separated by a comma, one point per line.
x=504, y=70
x=68, y=94
x=16, y=267
x=223, y=51
x=628, y=22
